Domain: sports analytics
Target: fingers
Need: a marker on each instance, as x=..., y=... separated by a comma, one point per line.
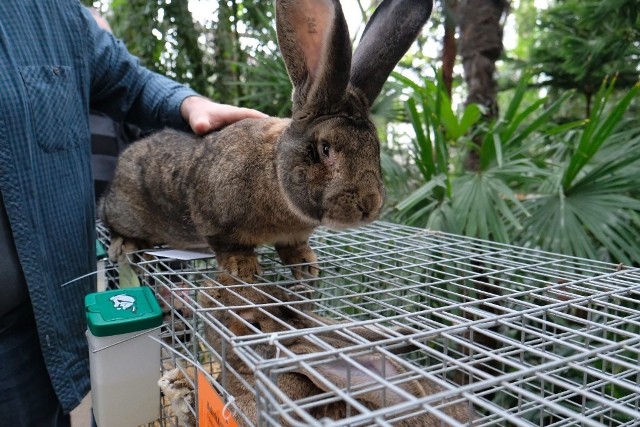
x=233, y=114
x=205, y=116
x=200, y=124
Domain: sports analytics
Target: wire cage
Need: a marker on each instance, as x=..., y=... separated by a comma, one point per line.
x=403, y=327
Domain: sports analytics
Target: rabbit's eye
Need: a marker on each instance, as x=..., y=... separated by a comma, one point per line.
x=256, y=325
x=326, y=149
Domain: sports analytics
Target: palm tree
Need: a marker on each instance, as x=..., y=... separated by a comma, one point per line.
x=480, y=25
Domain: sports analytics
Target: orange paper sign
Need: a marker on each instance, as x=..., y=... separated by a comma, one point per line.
x=211, y=408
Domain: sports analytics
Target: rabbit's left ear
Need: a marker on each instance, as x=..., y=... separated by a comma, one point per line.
x=314, y=41
x=388, y=35
x=359, y=376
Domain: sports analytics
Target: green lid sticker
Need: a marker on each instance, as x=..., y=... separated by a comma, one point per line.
x=121, y=311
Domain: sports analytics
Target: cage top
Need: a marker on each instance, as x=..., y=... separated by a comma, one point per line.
x=523, y=336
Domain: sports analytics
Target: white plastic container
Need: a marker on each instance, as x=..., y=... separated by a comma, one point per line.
x=124, y=359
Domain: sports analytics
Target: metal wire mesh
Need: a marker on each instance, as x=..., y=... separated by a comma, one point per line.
x=517, y=337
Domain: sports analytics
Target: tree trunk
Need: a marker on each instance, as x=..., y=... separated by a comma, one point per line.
x=449, y=48
x=225, y=54
x=480, y=46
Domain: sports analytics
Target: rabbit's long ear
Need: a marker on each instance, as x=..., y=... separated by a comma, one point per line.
x=314, y=41
x=388, y=35
x=345, y=375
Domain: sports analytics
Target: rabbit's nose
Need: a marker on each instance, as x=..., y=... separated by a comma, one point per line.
x=370, y=205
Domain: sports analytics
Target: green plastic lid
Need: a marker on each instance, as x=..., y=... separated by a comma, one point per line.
x=121, y=311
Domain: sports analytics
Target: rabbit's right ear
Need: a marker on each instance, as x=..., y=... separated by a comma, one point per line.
x=314, y=41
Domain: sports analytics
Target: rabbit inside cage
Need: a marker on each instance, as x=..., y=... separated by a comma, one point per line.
x=404, y=327
x=273, y=324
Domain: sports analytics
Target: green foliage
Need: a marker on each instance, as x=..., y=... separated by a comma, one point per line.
x=230, y=57
x=569, y=187
x=163, y=35
x=524, y=14
x=264, y=76
x=580, y=42
x=588, y=206
x=451, y=198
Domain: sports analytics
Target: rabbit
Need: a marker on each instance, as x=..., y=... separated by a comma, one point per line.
x=268, y=311
x=274, y=180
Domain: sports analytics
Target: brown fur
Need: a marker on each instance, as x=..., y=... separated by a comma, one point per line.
x=270, y=181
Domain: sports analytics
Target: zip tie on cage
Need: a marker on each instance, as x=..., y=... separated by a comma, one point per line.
x=272, y=341
x=104, y=270
x=226, y=414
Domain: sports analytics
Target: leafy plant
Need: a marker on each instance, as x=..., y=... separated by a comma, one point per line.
x=581, y=42
x=588, y=206
x=437, y=131
x=481, y=203
x=564, y=187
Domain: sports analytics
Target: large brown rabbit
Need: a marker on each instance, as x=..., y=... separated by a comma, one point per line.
x=272, y=181
x=270, y=311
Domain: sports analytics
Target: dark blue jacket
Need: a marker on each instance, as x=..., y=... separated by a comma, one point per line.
x=56, y=64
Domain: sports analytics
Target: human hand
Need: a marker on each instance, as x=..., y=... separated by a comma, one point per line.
x=204, y=115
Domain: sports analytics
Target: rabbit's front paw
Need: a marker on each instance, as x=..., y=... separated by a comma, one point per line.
x=242, y=265
x=301, y=259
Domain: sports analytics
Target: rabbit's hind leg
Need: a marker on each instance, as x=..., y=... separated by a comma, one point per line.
x=178, y=390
